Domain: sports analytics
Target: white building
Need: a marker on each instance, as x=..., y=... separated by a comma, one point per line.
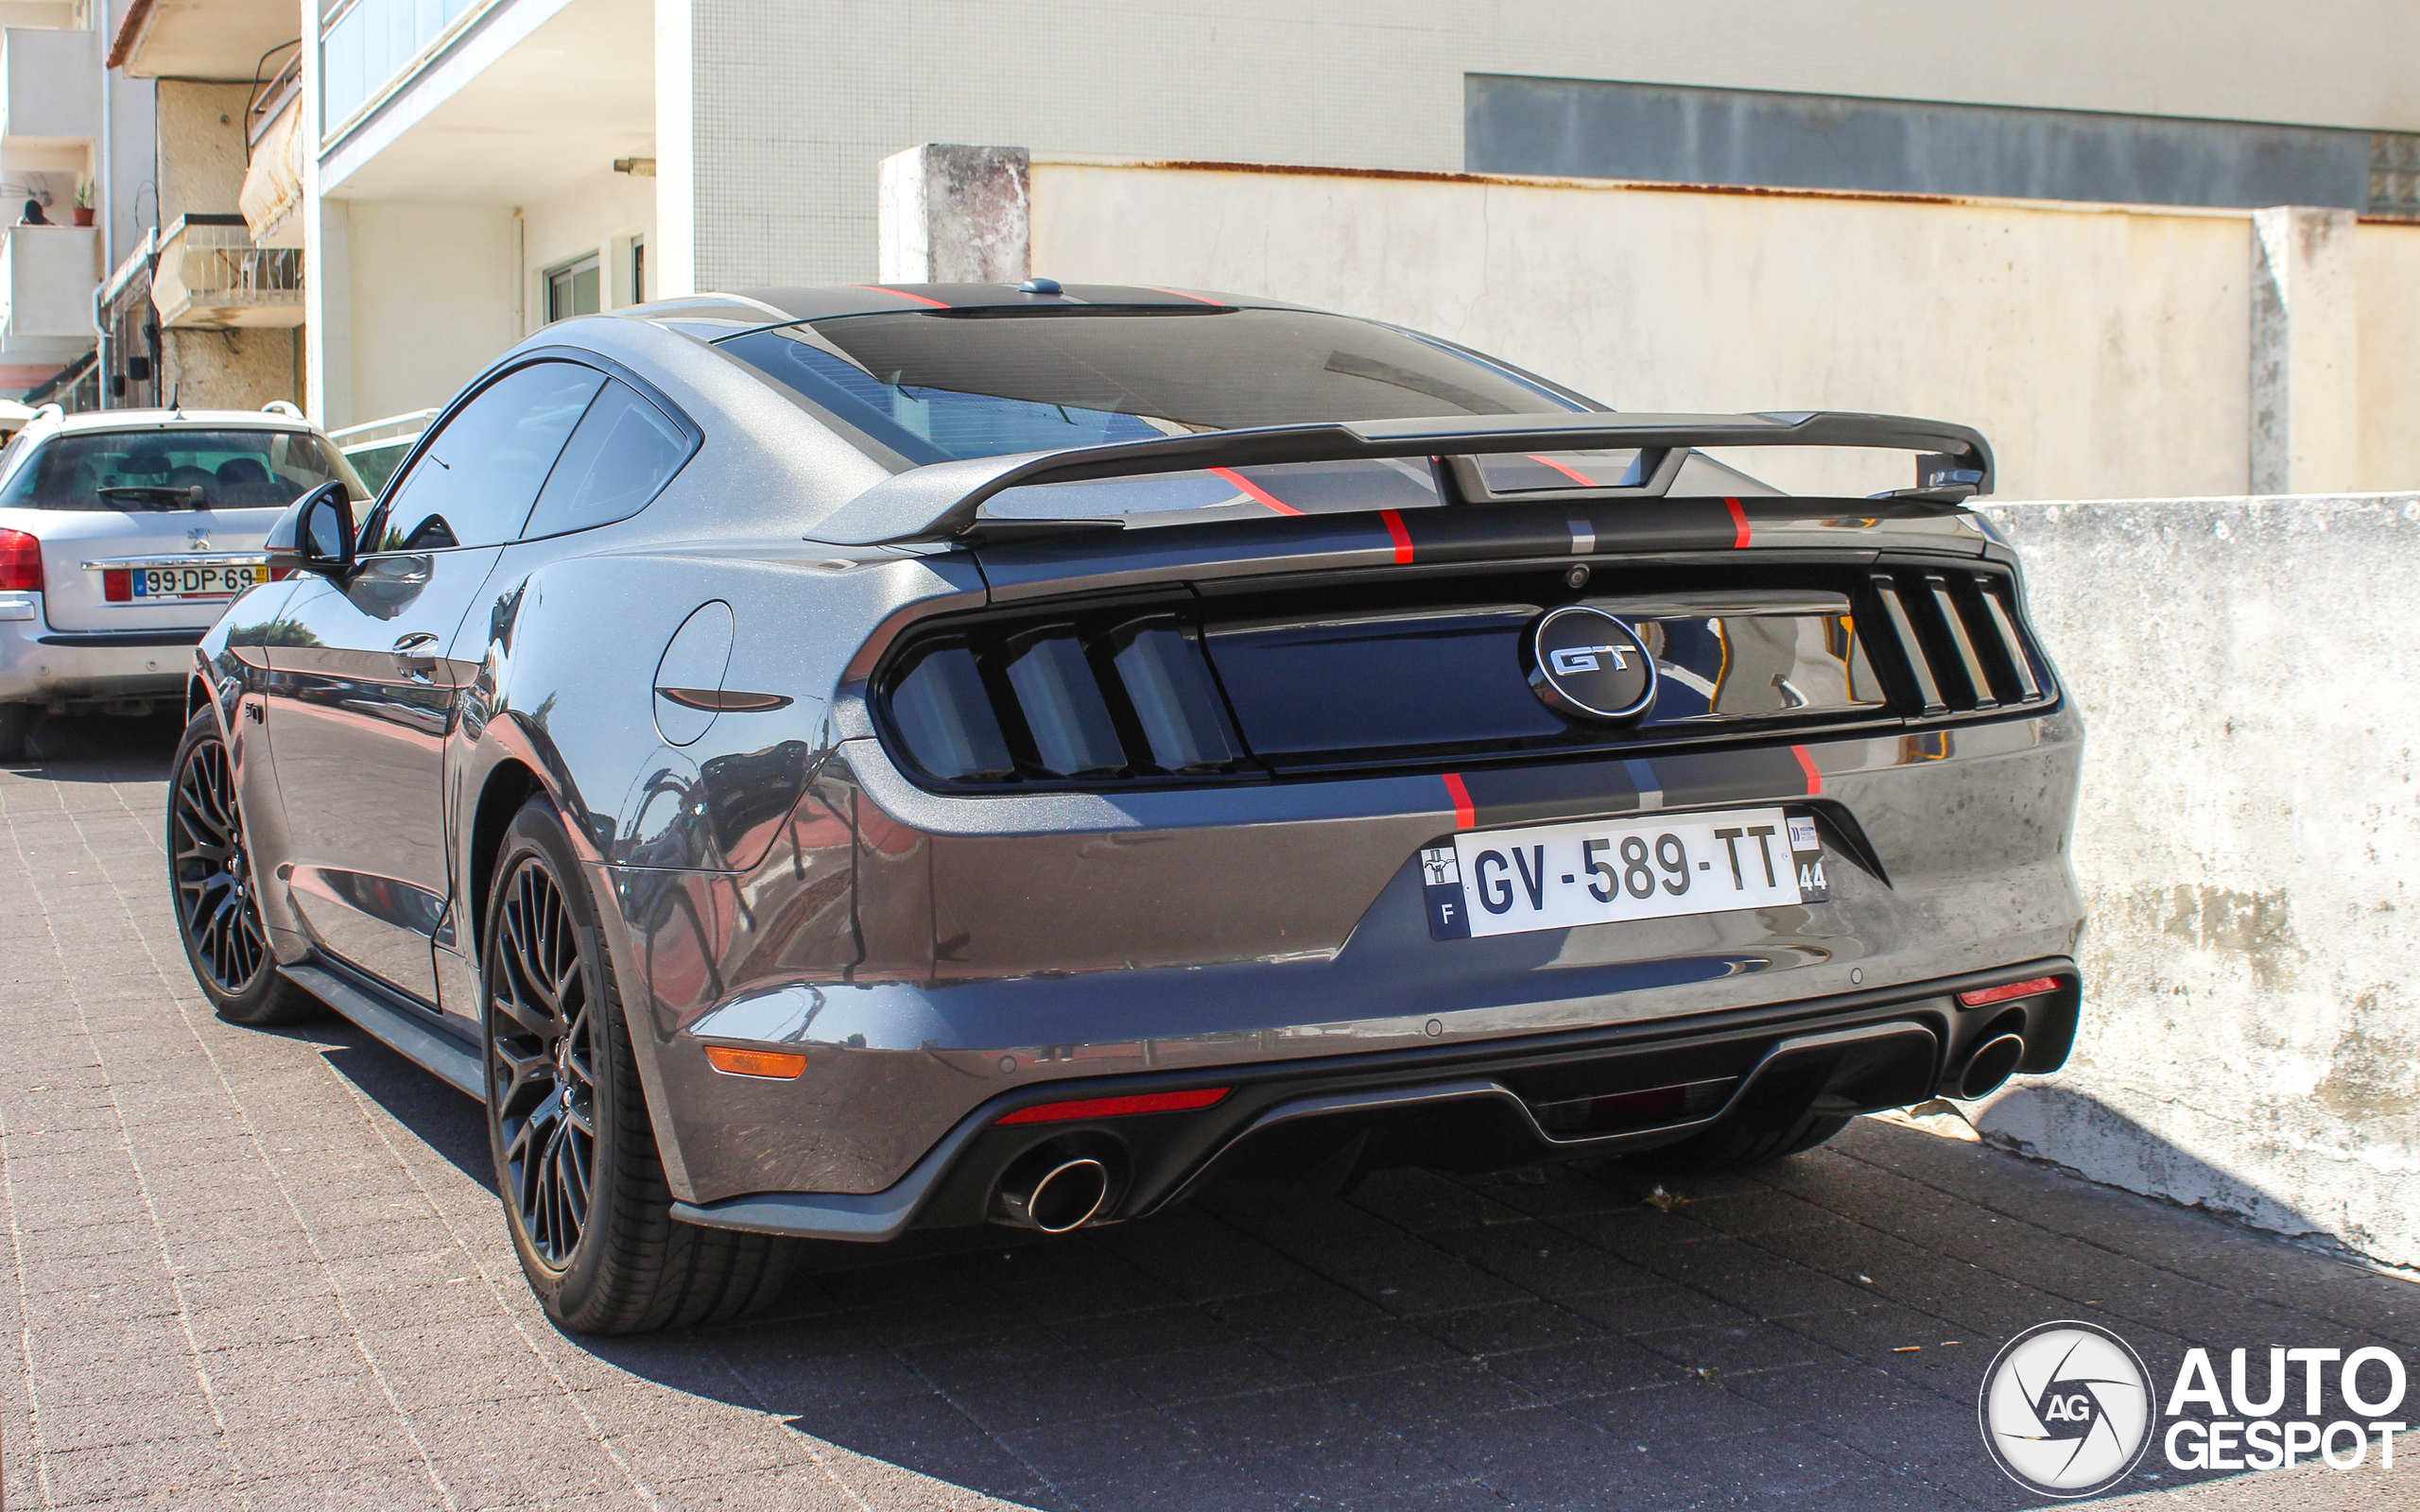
x=77, y=143
x=457, y=172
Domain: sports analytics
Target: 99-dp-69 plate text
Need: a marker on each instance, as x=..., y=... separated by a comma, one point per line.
x=1557, y=876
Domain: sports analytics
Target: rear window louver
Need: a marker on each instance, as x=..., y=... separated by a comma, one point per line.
x=1956, y=634
x=1080, y=696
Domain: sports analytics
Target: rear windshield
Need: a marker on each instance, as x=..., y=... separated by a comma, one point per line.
x=935, y=385
x=134, y=471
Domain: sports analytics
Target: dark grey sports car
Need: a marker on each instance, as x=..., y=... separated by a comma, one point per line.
x=831, y=761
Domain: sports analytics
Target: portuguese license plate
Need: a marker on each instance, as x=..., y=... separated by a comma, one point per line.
x=1559, y=876
x=196, y=582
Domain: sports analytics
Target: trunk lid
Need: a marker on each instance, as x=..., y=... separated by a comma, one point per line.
x=174, y=544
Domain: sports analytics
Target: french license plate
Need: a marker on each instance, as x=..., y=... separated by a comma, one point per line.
x=195, y=582
x=1558, y=876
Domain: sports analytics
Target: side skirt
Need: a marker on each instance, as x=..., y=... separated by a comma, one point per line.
x=405, y=1031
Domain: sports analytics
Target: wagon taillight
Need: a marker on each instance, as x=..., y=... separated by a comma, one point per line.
x=20, y=562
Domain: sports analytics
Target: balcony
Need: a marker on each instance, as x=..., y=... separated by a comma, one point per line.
x=211, y=276
x=50, y=99
x=366, y=44
x=46, y=276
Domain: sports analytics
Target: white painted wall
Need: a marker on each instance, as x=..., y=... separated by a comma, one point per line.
x=599, y=213
x=433, y=299
x=791, y=117
x=2102, y=349
x=2249, y=845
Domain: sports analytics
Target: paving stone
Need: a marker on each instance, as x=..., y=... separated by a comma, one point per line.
x=306, y=1222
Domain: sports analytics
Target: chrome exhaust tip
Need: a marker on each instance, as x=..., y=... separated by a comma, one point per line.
x=1991, y=1065
x=1053, y=1193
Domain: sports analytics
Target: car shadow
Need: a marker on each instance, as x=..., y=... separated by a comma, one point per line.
x=94, y=747
x=1814, y=1332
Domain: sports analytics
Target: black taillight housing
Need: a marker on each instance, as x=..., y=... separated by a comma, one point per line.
x=1069, y=701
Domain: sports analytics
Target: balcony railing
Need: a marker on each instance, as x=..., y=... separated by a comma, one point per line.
x=364, y=44
x=211, y=274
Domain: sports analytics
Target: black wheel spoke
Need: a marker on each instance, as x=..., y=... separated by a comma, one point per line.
x=540, y=1049
x=216, y=906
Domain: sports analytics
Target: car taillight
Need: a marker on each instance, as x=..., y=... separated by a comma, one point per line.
x=117, y=584
x=1065, y=701
x=1983, y=995
x=20, y=562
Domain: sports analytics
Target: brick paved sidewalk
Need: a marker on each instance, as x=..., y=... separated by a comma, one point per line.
x=264, y=1270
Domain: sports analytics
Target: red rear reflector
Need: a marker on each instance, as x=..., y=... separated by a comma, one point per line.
x=2001, y=994
x=780, y=1065
x=1116, y=1106
x=20, y=562
x=279, y=575
x=117, y=584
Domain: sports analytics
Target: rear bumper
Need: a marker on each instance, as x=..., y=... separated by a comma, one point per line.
x=1464, y=1107
x=39, y=664
x=927, y=967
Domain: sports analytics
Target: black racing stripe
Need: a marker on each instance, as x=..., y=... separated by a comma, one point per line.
x=1761, y=775
x=1477, y=532
x=1527, y=794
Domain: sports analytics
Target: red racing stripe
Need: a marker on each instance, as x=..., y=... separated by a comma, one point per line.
x=1396, y=529
x=1806, y=764
x=1179, y=293
x=1258, y=493
x=938, y=304
x=1740, y=522
x=1465, y=814
x=1571, y=473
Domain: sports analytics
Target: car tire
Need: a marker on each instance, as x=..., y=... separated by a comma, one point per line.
x=15, y=719
x=583, y=1184
x=210, y=881
x=1733, y=1145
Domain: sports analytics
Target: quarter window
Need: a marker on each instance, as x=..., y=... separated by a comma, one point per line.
x=622, y=454
x=474, y=483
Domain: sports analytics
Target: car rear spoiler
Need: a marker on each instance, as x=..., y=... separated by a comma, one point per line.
x=944, y=499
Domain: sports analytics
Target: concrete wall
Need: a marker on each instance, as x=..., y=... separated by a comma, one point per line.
x=404, y=259
x=2107, y=351
x=788, y=119
x=240, y=368
x=2249, y=839
x=201, y=147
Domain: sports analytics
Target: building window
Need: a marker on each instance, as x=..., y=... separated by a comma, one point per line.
x=638, y=270
x=574, y=289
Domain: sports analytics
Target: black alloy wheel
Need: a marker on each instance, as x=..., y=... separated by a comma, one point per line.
x=582, y=1185
x=542, y=1061
x=218, y=899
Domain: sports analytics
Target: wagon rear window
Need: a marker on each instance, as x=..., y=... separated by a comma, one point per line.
x=134, y=471
x=940, y=385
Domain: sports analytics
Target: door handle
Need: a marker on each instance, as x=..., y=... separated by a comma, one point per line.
x=412, y=654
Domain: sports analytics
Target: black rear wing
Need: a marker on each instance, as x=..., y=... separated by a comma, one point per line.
x=944, y=499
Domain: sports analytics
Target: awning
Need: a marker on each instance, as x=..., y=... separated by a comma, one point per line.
x=274, y=184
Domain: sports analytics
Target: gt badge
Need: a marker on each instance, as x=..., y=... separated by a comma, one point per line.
x=1586, y=664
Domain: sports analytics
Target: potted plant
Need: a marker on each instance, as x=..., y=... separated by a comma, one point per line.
x=83, y=210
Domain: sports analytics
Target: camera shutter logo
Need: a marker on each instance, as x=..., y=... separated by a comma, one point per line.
x=1585, y=663
x=2066, y=1409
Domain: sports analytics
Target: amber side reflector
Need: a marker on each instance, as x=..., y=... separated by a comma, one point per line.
x=781, y=1065
x=1983, y=995
x=1116, y=1106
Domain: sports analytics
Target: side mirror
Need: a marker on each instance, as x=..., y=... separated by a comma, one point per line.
x=314, y=535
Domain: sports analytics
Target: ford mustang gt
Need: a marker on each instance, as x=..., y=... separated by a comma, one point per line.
x=832, y=762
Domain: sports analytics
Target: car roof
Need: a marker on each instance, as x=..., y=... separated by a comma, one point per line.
x=781, y=306
x=172, y=419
